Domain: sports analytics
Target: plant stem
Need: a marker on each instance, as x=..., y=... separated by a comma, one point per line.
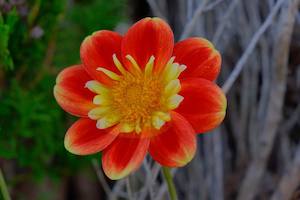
x=171, y=187
x=3, y=187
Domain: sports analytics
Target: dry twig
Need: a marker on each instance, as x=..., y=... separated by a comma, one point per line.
x=257, y=166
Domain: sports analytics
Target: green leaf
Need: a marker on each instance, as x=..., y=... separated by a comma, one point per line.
x=4, y=30
x=5, y=59
x=34, y=12
x=7, y=27
x=12, y=18
x=1, y=19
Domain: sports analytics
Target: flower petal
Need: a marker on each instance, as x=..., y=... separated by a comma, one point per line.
x=204, y=104
x=148, y=37
x=200, y=57
x=83, y=138
x=97, y=51
x=70, y=92
x=124, y=156
x=175, y=145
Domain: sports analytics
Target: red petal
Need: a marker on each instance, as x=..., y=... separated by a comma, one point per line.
x=83, y=138
x=147, y=37
x=97, y=51
x=204, y=104
x=124, y=156
x=70, y=92
x=200, y=57
x=176, y=145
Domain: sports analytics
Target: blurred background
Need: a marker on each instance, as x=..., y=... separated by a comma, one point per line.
x=255, y=154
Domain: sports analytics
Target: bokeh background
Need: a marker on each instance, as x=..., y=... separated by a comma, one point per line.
x=255, y=154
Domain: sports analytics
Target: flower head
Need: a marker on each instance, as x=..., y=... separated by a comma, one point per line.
x=140, y=93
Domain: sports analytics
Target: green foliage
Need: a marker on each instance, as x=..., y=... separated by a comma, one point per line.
x=6, y=28
x=32, y=125
x=83, y=19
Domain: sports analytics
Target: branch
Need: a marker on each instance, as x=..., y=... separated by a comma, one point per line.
x=212, y=5
x=191, y=24
x=128, y=188
x=155, y=9
x=224, y=22
x=117, y=190
x=241, y=62
x=151, y=176
x=100, y=177
x=274, y=112
x=290, y=181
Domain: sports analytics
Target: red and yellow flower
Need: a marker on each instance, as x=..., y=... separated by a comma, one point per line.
x=140, y=93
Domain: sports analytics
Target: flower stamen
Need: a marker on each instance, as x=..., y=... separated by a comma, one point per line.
x=134, y=63
x=149, y=66
x=118, y=64
x=109, y=73
x=138, y=99
x=96, y=87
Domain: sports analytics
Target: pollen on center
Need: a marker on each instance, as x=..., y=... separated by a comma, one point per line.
x=139, y=99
